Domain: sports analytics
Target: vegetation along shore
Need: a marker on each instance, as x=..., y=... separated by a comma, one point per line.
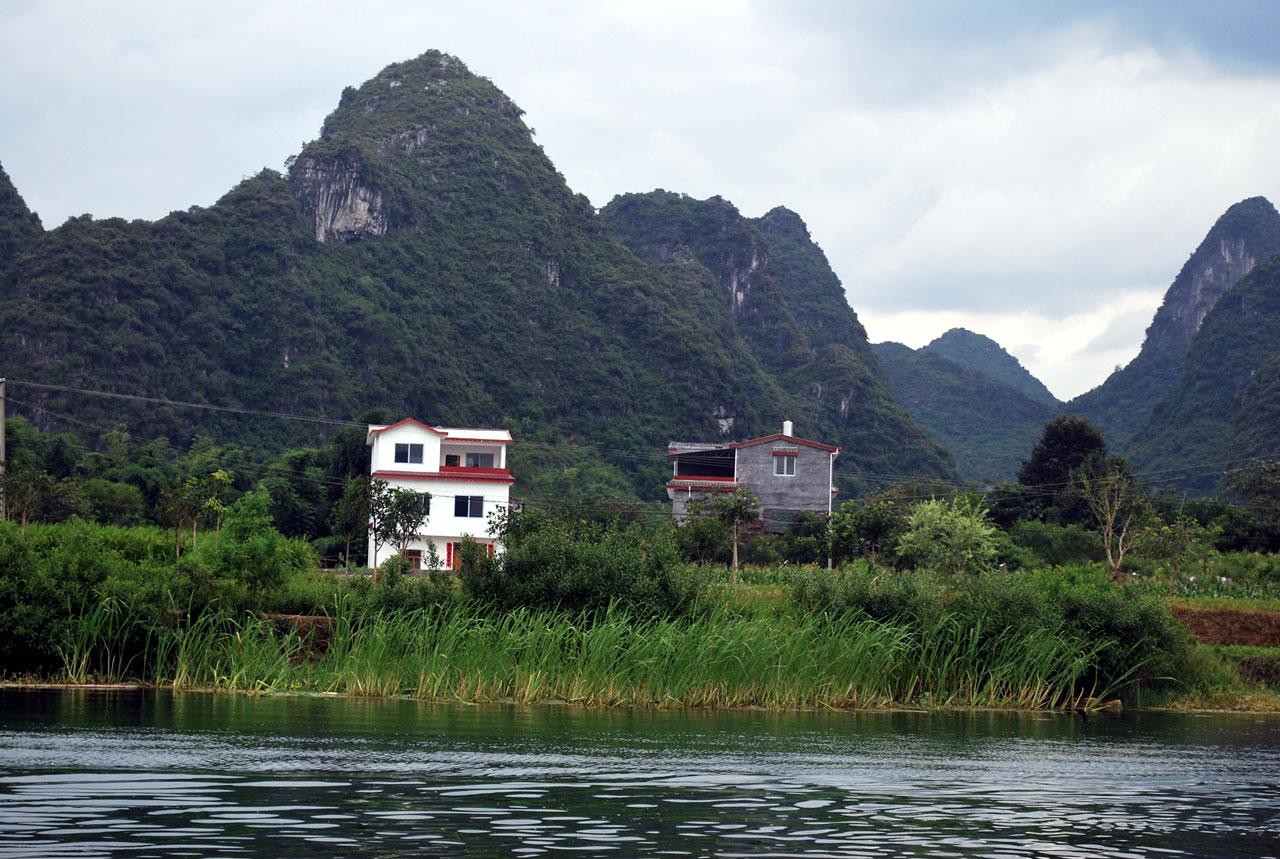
x=918, y=597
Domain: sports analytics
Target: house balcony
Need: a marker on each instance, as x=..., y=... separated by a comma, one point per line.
x=703, y=482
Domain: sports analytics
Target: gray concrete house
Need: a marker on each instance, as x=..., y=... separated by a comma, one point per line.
x=787, y=474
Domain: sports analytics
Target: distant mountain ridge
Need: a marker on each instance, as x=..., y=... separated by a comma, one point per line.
x=988, y=415
x=424, y=254
x=1225, y=406
x=987, y=356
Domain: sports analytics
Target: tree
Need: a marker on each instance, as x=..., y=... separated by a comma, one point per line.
x=701, y=536
x=735, y=509
x=1174, y=543
x=1112, y=496
x=1257, y=485
x=1065, y=443
x=866, y=530
x=397, y=515
x=350, y=514
x=953, y=537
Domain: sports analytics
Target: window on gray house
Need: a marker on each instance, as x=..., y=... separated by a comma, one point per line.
x=784, y=465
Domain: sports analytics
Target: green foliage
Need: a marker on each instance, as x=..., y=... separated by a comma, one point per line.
x=250, y=550
x=1056, y=545
x=806, y=541
x=581, y=564
x=1124, y=638
x=871, y=529
x=984, y=421
x=1065, y=443
x=951, y=537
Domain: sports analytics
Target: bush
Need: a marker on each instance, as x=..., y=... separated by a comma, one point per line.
x=950, y=537
x=1057, y=545
x=249, y=549
x=582, y=564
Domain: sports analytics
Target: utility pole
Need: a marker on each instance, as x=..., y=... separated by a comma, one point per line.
x=3, y=511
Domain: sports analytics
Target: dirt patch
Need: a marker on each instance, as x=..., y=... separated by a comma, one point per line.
x=1231, y=626
x=312, y=629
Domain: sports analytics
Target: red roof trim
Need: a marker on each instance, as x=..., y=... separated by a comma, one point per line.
x=399, y=423
x=789, y=438
x=709, y=488
x=464, y=470
x=503, y=476
x=786, y=453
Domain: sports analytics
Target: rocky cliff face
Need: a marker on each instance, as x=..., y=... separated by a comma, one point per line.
x=337, y=204
x=1224, y=404
x=1245, y=235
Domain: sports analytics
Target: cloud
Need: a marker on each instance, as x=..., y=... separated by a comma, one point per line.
x=1048, y=346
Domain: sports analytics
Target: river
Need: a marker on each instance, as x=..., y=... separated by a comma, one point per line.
x=154, y=773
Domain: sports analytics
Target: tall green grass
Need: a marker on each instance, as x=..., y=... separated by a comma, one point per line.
x=609, y=658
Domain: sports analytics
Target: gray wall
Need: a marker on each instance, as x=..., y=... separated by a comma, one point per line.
x=809, y=489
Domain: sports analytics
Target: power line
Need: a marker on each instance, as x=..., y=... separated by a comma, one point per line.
x=1039, y=490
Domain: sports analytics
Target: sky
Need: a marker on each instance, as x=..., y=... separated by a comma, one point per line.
x=1035, y=172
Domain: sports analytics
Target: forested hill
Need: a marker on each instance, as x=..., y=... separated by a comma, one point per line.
x=985, y=420
x=777, y=293
x=424, y=255
x=989, y=357
x=1225, y=406
x=19, y=226
x=1246, y=235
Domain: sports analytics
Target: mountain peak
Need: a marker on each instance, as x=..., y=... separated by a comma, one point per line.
x=421, y=142
x=985, y=355
x=781, y=221
x=1244, y=236
x=18, y=224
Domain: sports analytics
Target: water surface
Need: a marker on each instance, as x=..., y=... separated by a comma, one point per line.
x=146, y=773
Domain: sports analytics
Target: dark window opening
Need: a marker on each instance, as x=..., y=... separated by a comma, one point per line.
x=479, y=460
x=471, y=506
x=411, y=453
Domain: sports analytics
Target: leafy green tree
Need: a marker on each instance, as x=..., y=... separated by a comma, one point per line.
x=1173, y=544
x=701, y=536
x=1064, y=445
x=397, y=514
x=950, y=537
x=735, y=509
x=350, y=516
x=1257, y=485
x=868, y=529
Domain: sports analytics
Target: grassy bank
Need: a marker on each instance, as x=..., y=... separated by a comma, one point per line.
x=92, y=604
x=459, y=651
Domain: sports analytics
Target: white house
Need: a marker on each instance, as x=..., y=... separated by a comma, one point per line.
x=465, y=472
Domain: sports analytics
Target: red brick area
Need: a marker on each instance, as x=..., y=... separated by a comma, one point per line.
x=1231, y=626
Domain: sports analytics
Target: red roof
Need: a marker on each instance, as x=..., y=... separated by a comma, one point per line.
x=787, y=438
x=402, y=423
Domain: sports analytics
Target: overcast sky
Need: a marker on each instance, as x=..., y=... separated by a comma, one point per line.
x=1034, y=172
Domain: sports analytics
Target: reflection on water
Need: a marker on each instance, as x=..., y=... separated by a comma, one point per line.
x=149, y=774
